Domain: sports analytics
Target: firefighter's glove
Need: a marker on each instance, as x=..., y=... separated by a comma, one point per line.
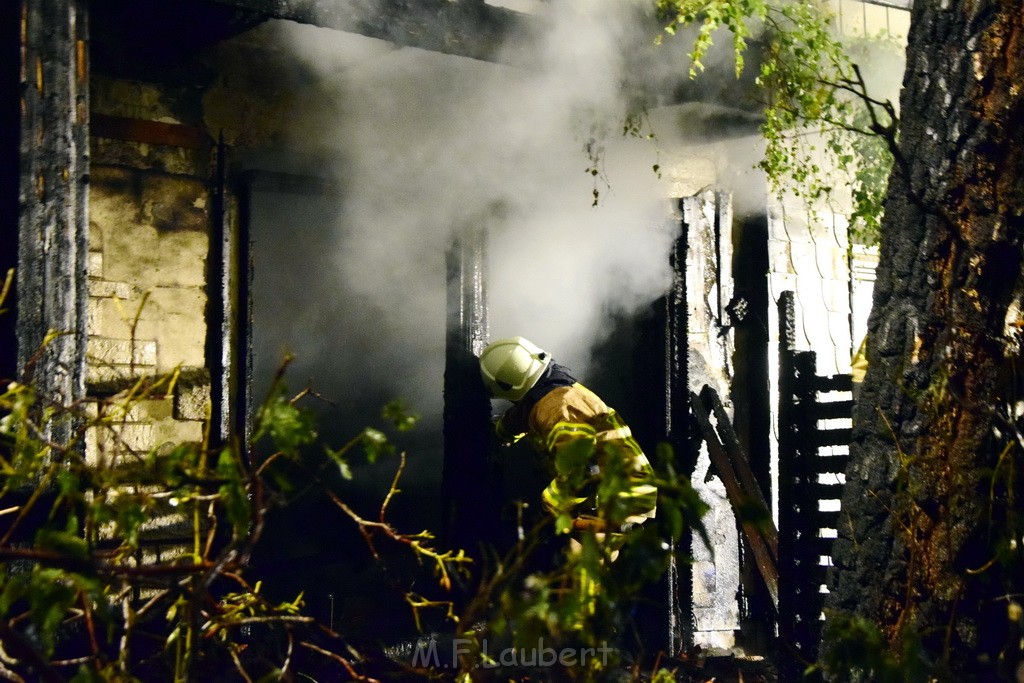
x=501, y=436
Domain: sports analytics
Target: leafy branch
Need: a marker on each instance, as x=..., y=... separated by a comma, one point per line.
x=821, y=127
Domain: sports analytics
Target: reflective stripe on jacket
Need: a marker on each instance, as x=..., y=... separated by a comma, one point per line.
x=569, y=413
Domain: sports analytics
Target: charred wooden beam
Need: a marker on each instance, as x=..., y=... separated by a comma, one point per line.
x=468, y=28
x=149, y=132
x=679, y=595
x=742, y=490
x=221, y=305
x=10, y=55
x=53, y=186
x=242, y=419
x=468, y=480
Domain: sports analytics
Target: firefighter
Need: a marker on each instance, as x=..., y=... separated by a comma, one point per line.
x=553, y=410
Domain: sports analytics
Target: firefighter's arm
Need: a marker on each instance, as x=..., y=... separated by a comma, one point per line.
x=506, y=435
x=589, y=523
x=601, y=526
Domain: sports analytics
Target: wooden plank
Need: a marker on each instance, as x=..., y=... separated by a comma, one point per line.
x=739, y=460
x=471, y=509
x=765, y=557
x=833, y=410
x=149, y=132
x=832, y=383
x=830, y=464
x=832, y=437
x=824, y=519
x=811, y=546
x=814, y=575
x=822, y=491
x=821, y=545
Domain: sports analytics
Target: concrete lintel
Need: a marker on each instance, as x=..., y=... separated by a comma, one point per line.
x=468, y=28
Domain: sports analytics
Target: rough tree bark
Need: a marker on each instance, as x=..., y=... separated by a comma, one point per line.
x=923, y=516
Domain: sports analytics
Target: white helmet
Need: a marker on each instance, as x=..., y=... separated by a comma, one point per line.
x=512, y=366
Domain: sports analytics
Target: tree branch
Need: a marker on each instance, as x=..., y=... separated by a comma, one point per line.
x=20, y=647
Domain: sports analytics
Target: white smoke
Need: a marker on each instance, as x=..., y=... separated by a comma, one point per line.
x=433, y=142
x=426, y=144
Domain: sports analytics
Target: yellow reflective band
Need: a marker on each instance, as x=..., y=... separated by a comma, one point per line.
x=620, y=433
x=639, y=491
x=569, y=430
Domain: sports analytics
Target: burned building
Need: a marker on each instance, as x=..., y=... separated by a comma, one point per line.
x=203, y=186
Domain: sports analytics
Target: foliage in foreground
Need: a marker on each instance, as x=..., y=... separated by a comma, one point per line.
x=86, y=595
x=85, y=590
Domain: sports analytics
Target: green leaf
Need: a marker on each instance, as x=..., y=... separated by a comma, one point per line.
x=130, y=517
x=340, y=458
x=63, y=542
x=272, y=677
x=51, y=596
x=375, y=444
x=288, y=426
x=673, y=520
x=233, y=493
x=572, y=458
x=345, y=470
x=14, y=588
x=396, y=413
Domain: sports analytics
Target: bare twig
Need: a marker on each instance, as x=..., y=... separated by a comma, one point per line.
x=90, y=627
x=394, y=486
x=28, y=505
x=238, y=666
x=341, y=660
x=288, y=656
x=9, y=675
x=309, y=391
x=77, y=661
x=6, y=289
x=20, y=647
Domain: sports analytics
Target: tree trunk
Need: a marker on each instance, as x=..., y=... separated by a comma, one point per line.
x=924, y=548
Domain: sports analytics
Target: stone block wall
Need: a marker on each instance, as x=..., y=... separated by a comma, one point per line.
x=148, y=241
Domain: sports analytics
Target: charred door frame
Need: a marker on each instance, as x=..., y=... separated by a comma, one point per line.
x=679, y=597
x=748, y=315
x=10, y=113
x=468, y=480
x=53, y=226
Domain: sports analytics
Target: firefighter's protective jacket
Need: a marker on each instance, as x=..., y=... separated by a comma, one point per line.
x=559, y=410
